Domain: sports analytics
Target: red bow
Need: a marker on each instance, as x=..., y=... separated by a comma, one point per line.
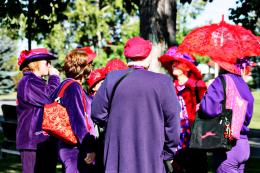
x=22, y=56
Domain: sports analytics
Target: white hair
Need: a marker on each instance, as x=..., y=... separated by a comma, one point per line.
x=144, y=62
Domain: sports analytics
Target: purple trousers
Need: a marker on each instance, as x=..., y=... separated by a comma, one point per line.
x=72, y=158
x=41, y=160
x=234, y=160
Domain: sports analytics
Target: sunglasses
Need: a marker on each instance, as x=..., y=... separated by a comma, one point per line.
x=48, y=62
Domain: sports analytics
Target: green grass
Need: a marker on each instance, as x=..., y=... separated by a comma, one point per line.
x=255, y=122
x=12, y=163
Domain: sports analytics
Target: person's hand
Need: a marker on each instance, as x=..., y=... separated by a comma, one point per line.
x=168, y=166
x=90, y=158
x=53, y=71
x=197, y=107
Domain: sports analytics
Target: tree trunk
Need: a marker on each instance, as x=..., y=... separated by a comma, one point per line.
x=158, y=24
x=29, y=24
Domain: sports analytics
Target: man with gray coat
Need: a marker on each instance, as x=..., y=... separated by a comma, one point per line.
x=140, y=112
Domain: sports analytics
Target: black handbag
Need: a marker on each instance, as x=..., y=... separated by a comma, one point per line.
x=213, y=133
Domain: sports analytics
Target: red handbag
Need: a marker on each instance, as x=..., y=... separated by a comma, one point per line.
x=56, y=119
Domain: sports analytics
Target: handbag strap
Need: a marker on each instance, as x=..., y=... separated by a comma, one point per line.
x=116, y=85
x=84, y=99
x=61, y=93
x=224, y=90
x=65, y=86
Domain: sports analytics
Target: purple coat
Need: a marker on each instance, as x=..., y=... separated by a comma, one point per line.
x=142, y=126
x=211, y=103
x=32, y=93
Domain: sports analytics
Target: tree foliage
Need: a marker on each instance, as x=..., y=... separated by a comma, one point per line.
x=158, y=18
x=104, y=25
x=8, y=68
x=185, y=13
x=247, y=13
x=158, y=23
x=40, y=16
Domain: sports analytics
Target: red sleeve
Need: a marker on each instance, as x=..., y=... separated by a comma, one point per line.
x=202, y=88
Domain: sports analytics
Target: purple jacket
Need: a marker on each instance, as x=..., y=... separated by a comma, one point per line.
x=211, y=103
x=142, y=126
x=32, y=93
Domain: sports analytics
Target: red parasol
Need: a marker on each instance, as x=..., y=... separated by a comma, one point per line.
x=221, y=42
x=258, y=37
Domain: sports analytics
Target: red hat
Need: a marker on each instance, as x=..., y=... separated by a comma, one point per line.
x=115, y=64
x=243, y=63
x=91, y=54
x=34, y=55
x=95, y=76
x=171, y=55
x=258, y=38
x=232, y=68
x=137, y=48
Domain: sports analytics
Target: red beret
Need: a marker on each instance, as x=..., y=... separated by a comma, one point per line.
x=91, y=54
x=115, y=64
x=137, y=48
x=95, y=76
